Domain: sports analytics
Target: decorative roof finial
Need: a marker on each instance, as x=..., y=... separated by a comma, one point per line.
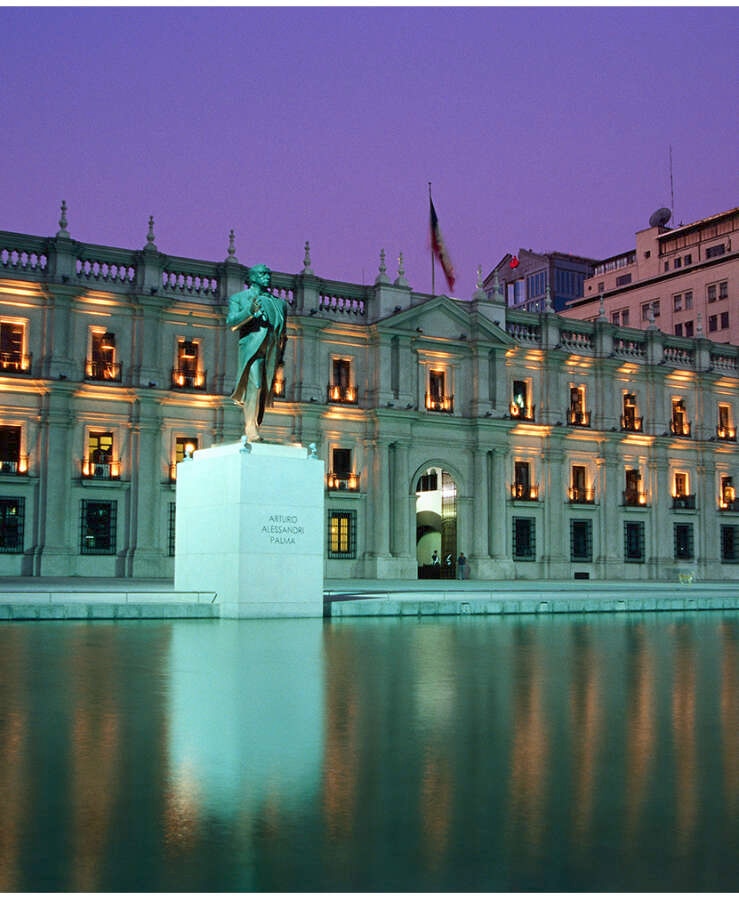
x=382, y=273
x=63, y=233
x=497, y=293
x=602, y=310
x=231, y=247
x=307, y=261
x=548, y=300
x=150, y=245
x=400, y=280
x=479, y=292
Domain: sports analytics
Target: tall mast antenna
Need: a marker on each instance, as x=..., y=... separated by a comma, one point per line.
x=672, y=188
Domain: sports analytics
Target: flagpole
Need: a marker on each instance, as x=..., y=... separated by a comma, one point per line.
x=431, y=244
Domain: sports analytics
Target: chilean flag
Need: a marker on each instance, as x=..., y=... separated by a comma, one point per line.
x=438, y=247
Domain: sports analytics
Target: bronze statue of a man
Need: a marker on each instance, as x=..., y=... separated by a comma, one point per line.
x=260, y=318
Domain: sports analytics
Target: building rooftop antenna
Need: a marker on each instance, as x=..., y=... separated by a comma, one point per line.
x=672, y=186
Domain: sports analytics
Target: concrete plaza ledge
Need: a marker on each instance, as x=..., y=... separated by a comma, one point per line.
x=100, y=598
x=344, y=599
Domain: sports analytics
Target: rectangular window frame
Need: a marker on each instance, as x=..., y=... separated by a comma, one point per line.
x=341, y=534
x=12, y=524
x=634, y=542
x=581, y=540
x=98, y=539
x=523, y=538
x=683, y=541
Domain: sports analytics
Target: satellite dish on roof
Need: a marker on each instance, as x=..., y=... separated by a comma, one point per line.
x=660, y=217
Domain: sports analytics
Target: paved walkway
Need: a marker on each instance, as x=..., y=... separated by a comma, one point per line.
x=135, y=598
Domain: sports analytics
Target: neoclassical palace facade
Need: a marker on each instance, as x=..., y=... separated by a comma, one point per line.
x=538, y=446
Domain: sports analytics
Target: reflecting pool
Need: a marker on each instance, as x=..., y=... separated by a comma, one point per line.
x=561, y=753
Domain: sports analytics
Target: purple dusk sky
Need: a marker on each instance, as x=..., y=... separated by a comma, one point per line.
x=547, y=128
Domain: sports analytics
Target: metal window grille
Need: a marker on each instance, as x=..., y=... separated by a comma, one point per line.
x=342, y=534
x=524, y=538
x=581, y=540
x=171, y=529
x=12, y=520
x=730, y=543
x=98, y=527
x=683, y=537
x=634, y=541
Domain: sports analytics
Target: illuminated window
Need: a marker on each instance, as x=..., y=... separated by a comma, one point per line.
x=437, y=398
x=11, y=461
x=188, y=373
x=725, y=430
x=342, y=476
x=98, y=527
x=102, y=365
x=12, y=518
x=579, y=491
x=727, y=499
x=341, y=389
x=633, y=494
x=183, y=447
x=630, y=421
x=577, y=414
x=522, y=488
x=679, y=424
x=342, y=534
x=12, y=341
x=521, y=407
x=99, y=462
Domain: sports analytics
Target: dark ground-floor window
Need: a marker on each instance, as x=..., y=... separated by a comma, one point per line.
x=683, y=540
x=581, y=540
x=170, y=529
x=342, y=534
x=524, y=538
x=98, y=526
x=730, y=543
x=634, y=541
x=12, y=518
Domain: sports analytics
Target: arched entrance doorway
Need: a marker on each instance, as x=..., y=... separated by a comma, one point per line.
x=436, y=524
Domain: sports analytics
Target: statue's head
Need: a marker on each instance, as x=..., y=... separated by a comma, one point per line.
x=261, y=275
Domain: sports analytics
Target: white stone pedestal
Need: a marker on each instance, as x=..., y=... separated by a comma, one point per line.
x=250, y=526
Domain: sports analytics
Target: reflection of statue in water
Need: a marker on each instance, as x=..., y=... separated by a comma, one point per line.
x=259, y=317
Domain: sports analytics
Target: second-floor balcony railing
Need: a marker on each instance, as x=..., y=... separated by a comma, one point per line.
x=683, y=501
x=15, y=363
x=578, y=417
x=187, y=380
x=522, y=491
x=342, y=481
x=632, y=423
x=101, y=471
x=522, y=412
x=102, y=371
x=680, y=428
x=338, y=393
x=15, y=466
x=726, y=432
x=435, y=403
x=581, y=495
x=634, y=498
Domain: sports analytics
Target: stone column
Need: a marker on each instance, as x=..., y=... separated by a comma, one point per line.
x=378, y=507
x=608, y=486
x=499, y=494
x=60, y=526
x=660, y=519
x=479, y=551
x=400, y=542
x=145, y=545
x=556, y=533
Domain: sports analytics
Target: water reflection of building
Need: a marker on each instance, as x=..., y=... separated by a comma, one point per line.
x=558, y=448
x=82, y=756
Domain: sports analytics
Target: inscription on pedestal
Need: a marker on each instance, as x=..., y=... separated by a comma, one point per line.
x=283, y=529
